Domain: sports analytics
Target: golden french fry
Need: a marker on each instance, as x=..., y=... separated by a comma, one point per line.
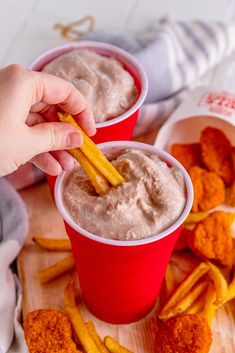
x=220, y=283
x=58, y=269
x=91, y=328
x=196, y=217
x=197, y=306
x=77, y=321
x=93, y=154
x=53, y=244
x=184, y=303
x=189, y=226
x=70, y=295
x=169, y=281
x=185, y=286
x=100, y=184
x=209, y=306
x=231, y=291
x=113, y=346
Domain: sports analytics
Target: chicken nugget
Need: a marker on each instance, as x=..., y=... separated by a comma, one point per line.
x=230, y=198
x=216, y=153
x=211, y=239
x=188, y=333
x=48, y=331
x=209, y=189
x=188, y=155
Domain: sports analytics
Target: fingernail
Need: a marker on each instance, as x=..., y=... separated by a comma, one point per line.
x=92, y=131
x=74, y=140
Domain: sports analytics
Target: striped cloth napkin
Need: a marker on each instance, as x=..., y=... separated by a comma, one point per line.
x=13, y=232
x=175, y=55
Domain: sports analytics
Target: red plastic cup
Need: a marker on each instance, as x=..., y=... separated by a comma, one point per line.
x=121, y=127
x=120, y=280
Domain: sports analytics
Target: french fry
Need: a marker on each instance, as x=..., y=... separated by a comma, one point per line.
x=100, y=184
x=185, y=286
x=184, y=303
x=91, y=328
x=209, y=307
x=58, y=269
x=93, y=154
x=77, y=321
x=198, y=305
x=53, y=244
x=220, y=283
x=169, y=281
x=231, y=291
x=196, y=217
x=113, y=346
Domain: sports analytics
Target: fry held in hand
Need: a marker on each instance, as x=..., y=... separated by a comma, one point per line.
x=99, y=170
x=58, y=269
x=53, y=244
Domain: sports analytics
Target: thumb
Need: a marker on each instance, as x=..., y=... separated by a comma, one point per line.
x=54, y=136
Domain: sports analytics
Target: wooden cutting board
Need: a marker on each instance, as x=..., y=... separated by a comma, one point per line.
x=139, y=337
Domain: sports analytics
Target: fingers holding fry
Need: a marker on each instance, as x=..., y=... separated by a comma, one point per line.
x=53, y=244
x=58, y=269
x=91, y=152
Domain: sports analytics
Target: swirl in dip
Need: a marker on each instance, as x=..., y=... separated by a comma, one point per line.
x=109, y=89
x=151, y=199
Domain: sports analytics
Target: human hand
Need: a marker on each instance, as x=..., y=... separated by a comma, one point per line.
x=29, y=128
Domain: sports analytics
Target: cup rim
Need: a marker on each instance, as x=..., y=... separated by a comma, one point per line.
x=149, y=148
x=111, y=48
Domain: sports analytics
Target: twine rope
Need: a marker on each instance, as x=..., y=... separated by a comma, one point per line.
x=72, y=31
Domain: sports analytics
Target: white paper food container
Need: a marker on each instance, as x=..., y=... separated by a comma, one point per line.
x=206, y=106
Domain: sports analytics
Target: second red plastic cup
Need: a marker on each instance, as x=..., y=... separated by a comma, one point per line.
x=120, y=280
x=122, y=126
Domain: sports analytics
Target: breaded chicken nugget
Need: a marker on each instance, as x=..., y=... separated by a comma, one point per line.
x=216, y=153
x=183, y=334
x=230, y=198
x=188, y=155
x=209, y=189
x=48, y=331
x=211, y=239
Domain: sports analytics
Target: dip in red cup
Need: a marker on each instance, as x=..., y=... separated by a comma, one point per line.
x=117, y=128
x=120, y=279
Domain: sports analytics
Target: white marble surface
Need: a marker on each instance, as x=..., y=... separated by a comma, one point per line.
x=26, y=26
